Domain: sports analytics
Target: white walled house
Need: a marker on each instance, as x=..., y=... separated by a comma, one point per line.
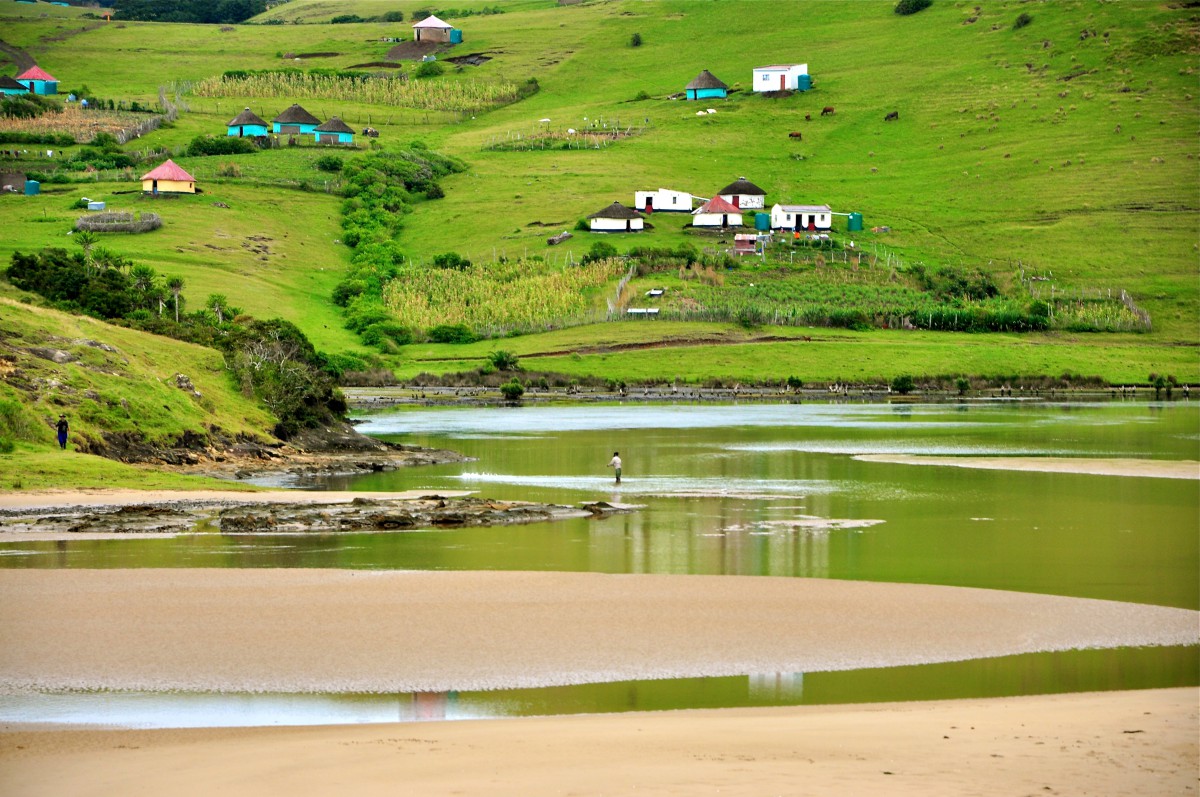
x=716, y=212
x=781, y=77
x=663, y=199
x=742, y=193
x=815, y=218
x=616, y=218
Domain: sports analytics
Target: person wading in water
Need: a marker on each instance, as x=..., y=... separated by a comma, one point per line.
x=615, y=464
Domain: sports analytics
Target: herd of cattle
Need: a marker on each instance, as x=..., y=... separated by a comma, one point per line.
x=828, y=110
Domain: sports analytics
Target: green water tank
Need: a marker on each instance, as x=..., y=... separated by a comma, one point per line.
x=854, y=223
x=762, y=221
x=803, y=82
x=32, y=188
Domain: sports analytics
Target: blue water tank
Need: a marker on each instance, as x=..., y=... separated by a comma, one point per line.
x=455, y=36
x=762, y=221
x=32, y=188
x=804, y=82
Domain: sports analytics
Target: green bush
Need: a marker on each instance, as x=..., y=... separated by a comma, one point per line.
x=329, y=163
x=221, y=145
x=429, y=69
x=600, y=250
x=903, y=385
x=963, y=384
x=906, y=7
x=635, y=40
x=452, y=333
x=1022, y=20
x=512, y=391
x=503, y=360
x=451, y=260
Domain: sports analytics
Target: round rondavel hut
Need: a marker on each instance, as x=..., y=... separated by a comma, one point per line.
x=335, y=131
x=616, y=218
x=246, y=123
x=168, y=178
x=295, y=120
x=706, y=85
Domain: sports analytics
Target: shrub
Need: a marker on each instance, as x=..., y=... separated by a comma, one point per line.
x=392, y=16
x=963, y=384
x=635, y=40
x=452, y=333
x=601, y=250
x=342, y=19
x=451, y=260
x=903, y=385
x=385, y=334
x=1022, y=20
x=794, y=382
x=503, y=360
x=329, y=163
x=223, y=145
x=512, y=391
x=906, y=7
x=429, y=69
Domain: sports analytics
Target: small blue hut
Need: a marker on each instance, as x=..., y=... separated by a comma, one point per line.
x=8, y=86
x=335, y=131
x=38, y=80
x=246, y=124
x=706, y=85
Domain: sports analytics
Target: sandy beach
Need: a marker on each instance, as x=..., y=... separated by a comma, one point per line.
x=1149, y=468
x=1112, y=744
x=295, y=630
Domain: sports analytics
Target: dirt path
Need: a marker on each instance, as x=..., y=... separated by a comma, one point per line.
x=22, y=59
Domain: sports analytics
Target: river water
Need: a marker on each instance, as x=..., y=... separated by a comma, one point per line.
x=750, y=489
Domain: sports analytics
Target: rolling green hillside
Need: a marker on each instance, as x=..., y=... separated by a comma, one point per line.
x=1067, y=146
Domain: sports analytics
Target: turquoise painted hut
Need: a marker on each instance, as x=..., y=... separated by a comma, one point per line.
x=335, y=131
x=9, y=86
x=706, y=85
x=245, y=124
x=38, y=80
x=295, y=120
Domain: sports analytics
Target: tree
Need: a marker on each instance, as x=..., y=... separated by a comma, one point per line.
x=219, y=304
x=86, y=239
x=504, y=360
x=175, y=286
x=512, y=391
x=903, y=385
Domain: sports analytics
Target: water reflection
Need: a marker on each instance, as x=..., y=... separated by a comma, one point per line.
x=1068, y=671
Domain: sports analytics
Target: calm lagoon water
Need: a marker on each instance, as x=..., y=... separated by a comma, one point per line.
x=758, y=489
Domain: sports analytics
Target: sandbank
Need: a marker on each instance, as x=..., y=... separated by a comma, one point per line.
x=1115, y=743
x=297, y=630
x=1151, y=468
x=70, y=499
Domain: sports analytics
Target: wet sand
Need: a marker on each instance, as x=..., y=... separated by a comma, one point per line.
x=1116, y=743
x=295, y=630
x=1151, y=468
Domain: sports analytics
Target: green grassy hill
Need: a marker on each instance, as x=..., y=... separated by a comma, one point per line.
x=1067, y=146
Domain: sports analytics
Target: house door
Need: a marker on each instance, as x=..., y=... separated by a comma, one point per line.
x=782, y=82
x=154, y=187
x=737, y=200
x=649, y=204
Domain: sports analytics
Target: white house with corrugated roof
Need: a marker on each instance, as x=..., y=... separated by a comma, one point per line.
x=663, y=199
x=779, y=77
x=814, y=218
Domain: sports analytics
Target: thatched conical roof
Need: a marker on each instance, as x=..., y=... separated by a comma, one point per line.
x=706, y=80
x=616, y=211
x=334, y=125
x=246, y=117
x=295, y=115
x=741, y=186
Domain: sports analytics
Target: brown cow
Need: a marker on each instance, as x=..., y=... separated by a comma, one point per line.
x=795, y=134
x=808, y=117
x=892, y=117
x=827, y=110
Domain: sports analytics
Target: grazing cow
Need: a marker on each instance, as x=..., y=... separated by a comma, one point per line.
x=808, y=117
x=795, y=134
x=827, y=110
x=892, y=117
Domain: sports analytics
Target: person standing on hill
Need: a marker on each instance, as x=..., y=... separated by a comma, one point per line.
x=63, y=428
x=615, y=464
